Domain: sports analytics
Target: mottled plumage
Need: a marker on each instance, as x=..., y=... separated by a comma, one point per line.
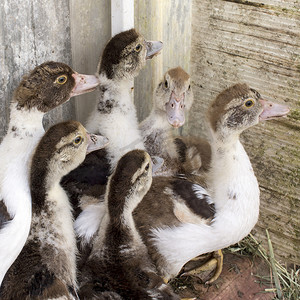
x=232, y=186
x=46, y=87
x=46, y=266
x=119, y=260
x=114, y=115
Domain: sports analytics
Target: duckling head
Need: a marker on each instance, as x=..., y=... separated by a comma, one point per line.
x=64, y=147
x=125, y=55
x=130, y=181
x=240, y=107
x=51, y=84
x=174, y=96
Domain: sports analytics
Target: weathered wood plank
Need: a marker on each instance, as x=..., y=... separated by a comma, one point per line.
x=257, y=42
x=32, y=32
x=170, y=22
x=90, y=31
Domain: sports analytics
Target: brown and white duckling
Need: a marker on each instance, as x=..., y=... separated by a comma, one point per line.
x=114, y=115
x=178, y=220
x=119, y=260
x=46, y=266
x=172, y=98
x=47, y=86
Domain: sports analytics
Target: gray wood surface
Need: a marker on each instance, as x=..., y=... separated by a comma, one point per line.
x=90, y=31
x=32, y=32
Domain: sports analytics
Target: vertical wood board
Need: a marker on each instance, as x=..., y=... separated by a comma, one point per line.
x=32, y=32
x=90, y=31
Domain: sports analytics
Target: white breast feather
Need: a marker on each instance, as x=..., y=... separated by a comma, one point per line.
x=15, y=155
x=120, y=126
x=233, y=221
x=89, y=220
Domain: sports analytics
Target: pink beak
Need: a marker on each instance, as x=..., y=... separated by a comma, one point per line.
x=96, y=142
x=175, y=110
x=84, y=84
x=272, y=110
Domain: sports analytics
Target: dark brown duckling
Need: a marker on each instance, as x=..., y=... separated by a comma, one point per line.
x=46, y=266
x=119, y=260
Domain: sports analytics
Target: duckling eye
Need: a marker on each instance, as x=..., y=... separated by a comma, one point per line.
x=249, y=103
x=61, y=79
x=147, y=167
x=138, y=48
x=189, y=87
x=77, y=140
x=166, y=83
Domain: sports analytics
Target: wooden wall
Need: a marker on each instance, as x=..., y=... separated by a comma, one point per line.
x=90, y=31
x=32, y=32
x=257, y=42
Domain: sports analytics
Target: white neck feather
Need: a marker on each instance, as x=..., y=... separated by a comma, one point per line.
x=119, y=125
x=24, y=132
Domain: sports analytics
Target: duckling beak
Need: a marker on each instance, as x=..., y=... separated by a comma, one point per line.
x=84, y=84
x=153, y=48
x=175, y=110
x=96, y=142
x=272, y=110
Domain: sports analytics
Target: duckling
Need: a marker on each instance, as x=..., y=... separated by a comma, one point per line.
x=173, y=96
x=193, y=219
x=46, y=266
x=114, y=115
x=119, y=260
x=47, y=86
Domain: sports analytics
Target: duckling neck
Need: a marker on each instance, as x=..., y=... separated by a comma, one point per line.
x=25, y=123
x=115, y=117
x=52, y=224
x=231, y=175
x=122, y=225
x=24, y=131
x=234, y=189
x=117, y=231
x=157, y=135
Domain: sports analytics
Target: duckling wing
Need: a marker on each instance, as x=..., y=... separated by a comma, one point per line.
x=194, y=153
x=90, y=176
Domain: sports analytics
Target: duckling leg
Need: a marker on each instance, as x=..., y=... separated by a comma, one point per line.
x=214, y=263
x=218, y=256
